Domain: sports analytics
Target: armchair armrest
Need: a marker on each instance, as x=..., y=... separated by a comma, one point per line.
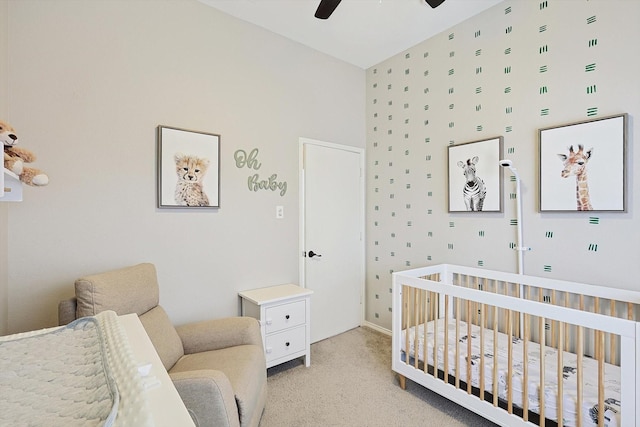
x=219, y=333
x=67, y=311
x=208, y=396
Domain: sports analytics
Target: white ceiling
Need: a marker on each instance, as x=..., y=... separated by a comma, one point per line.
x=361, y=32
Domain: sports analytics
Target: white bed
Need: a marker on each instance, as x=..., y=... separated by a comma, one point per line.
x=590, y=340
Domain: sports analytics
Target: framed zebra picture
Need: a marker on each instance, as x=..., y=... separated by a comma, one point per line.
x=475, y=176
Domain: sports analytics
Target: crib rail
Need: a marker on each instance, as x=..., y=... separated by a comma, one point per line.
x=590, y=322
x=600, y=301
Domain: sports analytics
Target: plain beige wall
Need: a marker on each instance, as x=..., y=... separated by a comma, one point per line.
x=89, y=81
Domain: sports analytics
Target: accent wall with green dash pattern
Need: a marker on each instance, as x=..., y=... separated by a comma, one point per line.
x=514, y=69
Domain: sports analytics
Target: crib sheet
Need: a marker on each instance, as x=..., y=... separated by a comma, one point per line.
x=590, y=372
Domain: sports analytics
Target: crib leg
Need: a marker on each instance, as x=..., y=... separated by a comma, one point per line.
x=403, y=381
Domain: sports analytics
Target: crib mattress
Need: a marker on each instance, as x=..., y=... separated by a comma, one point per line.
x=590, y=372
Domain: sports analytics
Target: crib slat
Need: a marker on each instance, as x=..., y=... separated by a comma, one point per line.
x=425, y=321
x=506, y=293
x=560, y=395
x=435, y=343
x=429, y=316
x=595, y=333
x=612, y=337
x=510, y=363
x=416, y=308
x=405, y=320
x=566, y=325
x=446, y=339
x=495, y=359
x=483, y=307
x=468, y=303
x=475, y=303
x=554, y=339
x=600, y=345
x=542, y=366
x=434, y=305
x=525, y=363
x=457, y=349
x=516, y=324
x=486, y=316
x=579, y=377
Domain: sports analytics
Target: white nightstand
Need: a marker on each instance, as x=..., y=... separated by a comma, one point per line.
x=284, y=313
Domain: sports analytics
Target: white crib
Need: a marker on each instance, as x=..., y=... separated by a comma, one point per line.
x=464, y=333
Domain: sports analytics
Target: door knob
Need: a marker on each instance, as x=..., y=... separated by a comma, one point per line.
x=312, y=254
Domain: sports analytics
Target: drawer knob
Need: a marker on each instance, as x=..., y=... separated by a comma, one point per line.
x=287, y=317
x=287, y=344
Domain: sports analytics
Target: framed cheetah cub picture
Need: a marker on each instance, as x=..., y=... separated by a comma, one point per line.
x=188, y=169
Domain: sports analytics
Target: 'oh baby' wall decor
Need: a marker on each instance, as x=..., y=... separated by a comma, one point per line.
x=255, y=182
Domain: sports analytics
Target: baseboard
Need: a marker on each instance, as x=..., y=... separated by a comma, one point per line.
x=376, y=328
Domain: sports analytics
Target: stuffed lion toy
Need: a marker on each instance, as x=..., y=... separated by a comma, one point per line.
x=16, y=157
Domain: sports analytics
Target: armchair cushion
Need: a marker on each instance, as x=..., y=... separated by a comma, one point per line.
x=163, y=336
x=208, y=396
x=244, y=366
x=67, y=311
x=127, y=290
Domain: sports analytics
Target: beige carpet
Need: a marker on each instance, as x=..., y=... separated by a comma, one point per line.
x=350, y=383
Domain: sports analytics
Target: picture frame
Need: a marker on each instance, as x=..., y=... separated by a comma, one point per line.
x=470, y=161
x=583, y=166
x=188, y=168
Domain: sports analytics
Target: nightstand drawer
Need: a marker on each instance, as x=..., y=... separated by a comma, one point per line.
x=284, y=316
x=285, y=343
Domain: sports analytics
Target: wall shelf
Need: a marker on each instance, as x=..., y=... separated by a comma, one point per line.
x=11, y=187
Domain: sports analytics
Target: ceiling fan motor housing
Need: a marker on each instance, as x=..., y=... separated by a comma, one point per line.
x=326, y=7
x=434, y=3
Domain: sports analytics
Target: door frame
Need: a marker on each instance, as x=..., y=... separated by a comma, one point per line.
x=302, y=214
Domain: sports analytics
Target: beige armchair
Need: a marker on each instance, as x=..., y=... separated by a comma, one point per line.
x=217, y=366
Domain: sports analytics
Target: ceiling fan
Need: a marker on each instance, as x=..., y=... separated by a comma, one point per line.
x=326, y=7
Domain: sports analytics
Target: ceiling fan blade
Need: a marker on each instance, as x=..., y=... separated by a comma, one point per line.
x=434, y=3
x=326, y=8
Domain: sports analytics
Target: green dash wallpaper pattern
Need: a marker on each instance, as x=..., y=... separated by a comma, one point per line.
x=514, y=69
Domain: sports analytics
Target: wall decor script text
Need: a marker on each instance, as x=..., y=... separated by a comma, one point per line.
x=254, y=182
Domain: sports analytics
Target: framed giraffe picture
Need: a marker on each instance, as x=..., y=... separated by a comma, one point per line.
x=583, y=166
x=475, y=176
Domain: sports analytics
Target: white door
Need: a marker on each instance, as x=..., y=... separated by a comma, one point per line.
x=332, y=235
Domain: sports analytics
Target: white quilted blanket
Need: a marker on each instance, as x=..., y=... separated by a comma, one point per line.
x=82, y=374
